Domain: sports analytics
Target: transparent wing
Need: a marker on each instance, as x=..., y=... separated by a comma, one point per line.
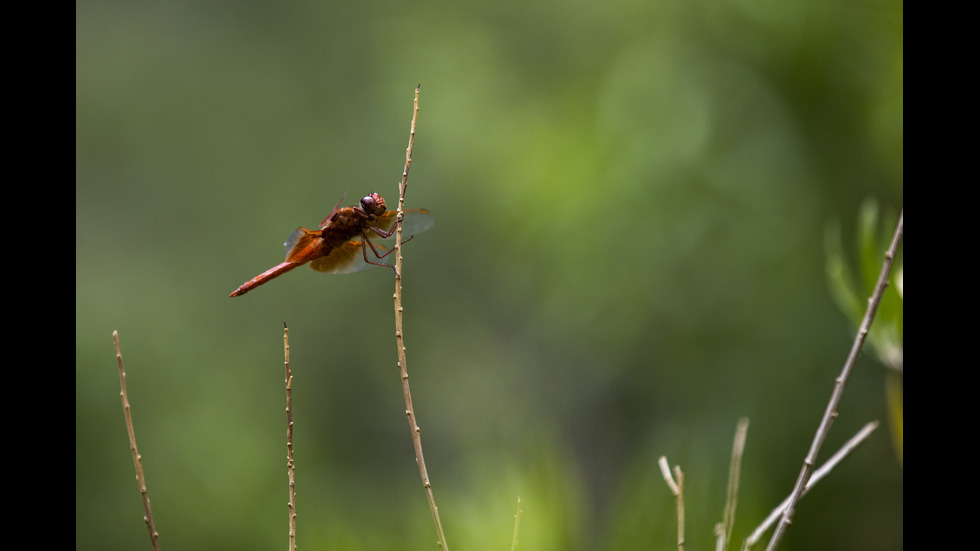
x=416, y=221
x=347, y=258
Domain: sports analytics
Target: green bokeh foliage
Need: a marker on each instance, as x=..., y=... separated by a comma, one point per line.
x=630, y=201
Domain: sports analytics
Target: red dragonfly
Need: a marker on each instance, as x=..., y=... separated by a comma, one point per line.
x=343, y=233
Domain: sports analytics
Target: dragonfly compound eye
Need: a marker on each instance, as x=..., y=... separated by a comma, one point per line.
x=373, y=204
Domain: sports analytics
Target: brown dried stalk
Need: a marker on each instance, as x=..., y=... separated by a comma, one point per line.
x=137, y=458
x=290, y=464
x=677, y=488
x=400, y=336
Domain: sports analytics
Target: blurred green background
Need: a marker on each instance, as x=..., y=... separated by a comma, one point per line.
x=630, y=199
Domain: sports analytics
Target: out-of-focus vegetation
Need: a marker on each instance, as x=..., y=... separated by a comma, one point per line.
x=851, y=286
x=628, y=257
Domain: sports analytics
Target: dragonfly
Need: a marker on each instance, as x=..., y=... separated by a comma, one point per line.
x=345, y=232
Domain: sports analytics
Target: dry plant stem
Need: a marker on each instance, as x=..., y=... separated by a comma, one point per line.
x=677, y=488
x=400, y=338
x=290, y=465
x=831, y=412
x=665, y=471
x=724, y=531
x=137, y=458
x=517, y=524
x=818, y=475
x=680, y=507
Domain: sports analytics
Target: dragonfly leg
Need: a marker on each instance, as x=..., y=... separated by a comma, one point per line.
x=365, y=243
x=385, y=234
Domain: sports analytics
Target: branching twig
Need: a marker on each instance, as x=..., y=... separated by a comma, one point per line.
x=137, y=458
x=831, y=412
x=677, y=488
x=818, y=475
x=400, y=336
x=290, y=465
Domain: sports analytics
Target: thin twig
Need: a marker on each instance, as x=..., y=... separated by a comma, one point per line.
x=724, y=530
x=665, y=471
x=137, y=458
x=290, y=464
x=831, y=412
x=818, y=475
x=677, y=488
x=400, y=337
x=680, y=507
x=517, y=524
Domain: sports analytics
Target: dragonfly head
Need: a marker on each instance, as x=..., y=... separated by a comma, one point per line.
x=373, y=204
